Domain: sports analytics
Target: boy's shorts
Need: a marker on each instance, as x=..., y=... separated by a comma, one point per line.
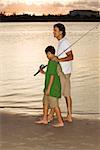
x=65, y=82
x=52, y=102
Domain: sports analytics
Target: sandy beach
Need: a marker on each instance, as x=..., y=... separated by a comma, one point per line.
x=21, y=133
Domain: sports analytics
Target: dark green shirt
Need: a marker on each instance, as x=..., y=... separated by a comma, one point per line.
x=55, y=90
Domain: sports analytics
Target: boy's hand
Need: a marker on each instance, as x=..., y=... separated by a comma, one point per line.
x=47, y=92
x=41, y=70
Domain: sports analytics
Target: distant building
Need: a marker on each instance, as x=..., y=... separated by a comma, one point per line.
x=82, y=13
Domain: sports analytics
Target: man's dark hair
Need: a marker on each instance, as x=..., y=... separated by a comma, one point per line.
x=50, y=49
x=61, y=27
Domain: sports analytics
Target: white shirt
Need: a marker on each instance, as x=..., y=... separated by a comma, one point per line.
x=63, y=45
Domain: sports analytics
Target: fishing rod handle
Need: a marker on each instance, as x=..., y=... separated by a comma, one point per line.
x=41, y=67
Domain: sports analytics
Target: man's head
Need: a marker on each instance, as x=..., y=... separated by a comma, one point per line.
x=50, y=52
x=59, y=31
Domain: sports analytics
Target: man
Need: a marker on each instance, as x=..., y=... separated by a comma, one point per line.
x=65, y=60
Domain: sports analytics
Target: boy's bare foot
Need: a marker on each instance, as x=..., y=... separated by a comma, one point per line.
x=50, y=118
x=58, y=125
x=41, y=122
x=68, y=119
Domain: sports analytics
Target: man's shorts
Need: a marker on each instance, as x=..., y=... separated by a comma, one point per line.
x=65, y=82
x=52, y=102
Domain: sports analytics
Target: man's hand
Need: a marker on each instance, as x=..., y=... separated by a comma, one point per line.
x=56, y=59
x=69, y=57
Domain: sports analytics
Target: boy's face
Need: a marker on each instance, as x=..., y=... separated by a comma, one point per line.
x=57, y=32
x=50, y=55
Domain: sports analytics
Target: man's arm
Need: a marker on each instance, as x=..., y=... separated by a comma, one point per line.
x=68, y=58
x=50, y=84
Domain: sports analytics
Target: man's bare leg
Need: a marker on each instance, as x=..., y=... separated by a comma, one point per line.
x=69, y=109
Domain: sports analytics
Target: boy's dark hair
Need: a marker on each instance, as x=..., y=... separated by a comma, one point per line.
x=50, y=49
x=61, y=27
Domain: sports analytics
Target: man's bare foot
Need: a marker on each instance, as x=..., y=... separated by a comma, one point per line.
x=58, y=125
x=41, y=122
x=68, y=119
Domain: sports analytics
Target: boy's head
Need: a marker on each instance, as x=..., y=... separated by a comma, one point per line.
x=50, y=52
x=59, y=30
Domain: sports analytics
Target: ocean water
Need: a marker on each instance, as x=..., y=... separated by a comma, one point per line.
x=22, y=48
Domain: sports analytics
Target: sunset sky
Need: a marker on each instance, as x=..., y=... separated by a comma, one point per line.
x=40, y=7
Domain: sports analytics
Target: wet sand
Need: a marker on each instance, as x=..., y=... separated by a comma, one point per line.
x=20, y=133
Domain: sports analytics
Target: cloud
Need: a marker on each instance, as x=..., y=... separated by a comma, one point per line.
x=54, y=8
x=85, y=4
x=2, y=6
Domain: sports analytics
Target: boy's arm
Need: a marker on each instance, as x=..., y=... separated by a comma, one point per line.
x=50, y=84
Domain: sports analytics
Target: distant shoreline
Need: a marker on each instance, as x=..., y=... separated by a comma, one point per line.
x=48, y=21
x=73, y=16
x=50, y=18
x=79, y=20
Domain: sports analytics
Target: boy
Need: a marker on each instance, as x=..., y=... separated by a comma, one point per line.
x=52, y=90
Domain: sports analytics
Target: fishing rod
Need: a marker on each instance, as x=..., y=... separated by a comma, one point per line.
x=44, y=66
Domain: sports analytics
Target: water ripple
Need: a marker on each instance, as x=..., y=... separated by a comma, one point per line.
x=9, y=95
x=22, y=107
x=21, y=94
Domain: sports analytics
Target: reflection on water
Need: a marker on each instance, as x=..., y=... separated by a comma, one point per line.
x=22, y=48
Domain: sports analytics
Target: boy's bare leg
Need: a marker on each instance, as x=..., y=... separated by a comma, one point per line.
x=69, y=109
x=60, y=121
x=44, y=120
x=51, y=114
